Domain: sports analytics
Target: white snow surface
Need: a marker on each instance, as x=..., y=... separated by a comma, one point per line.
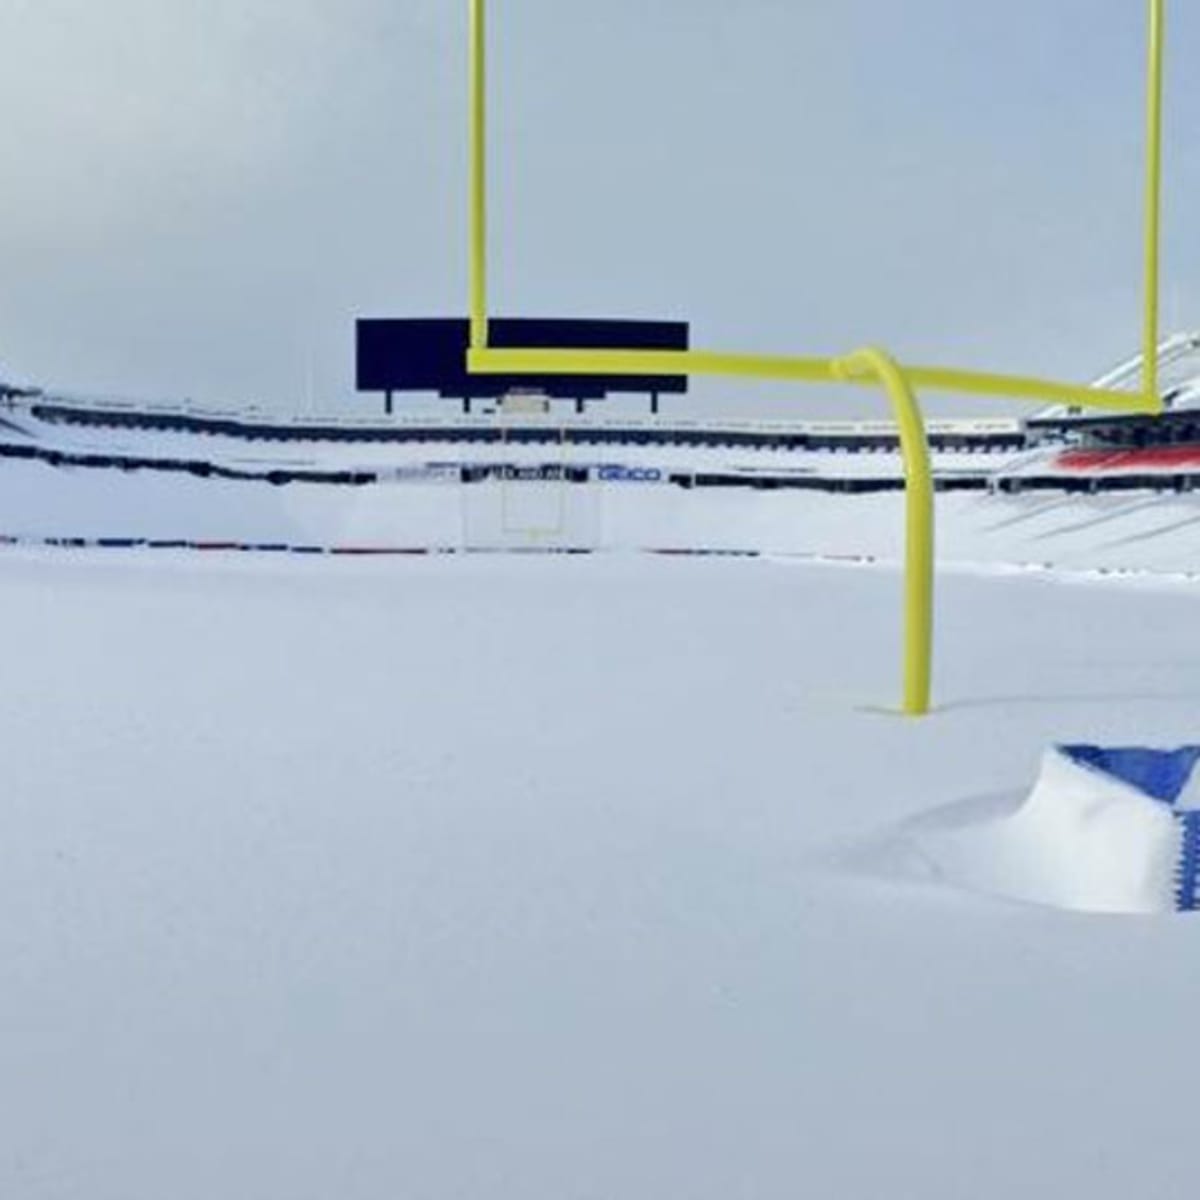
x=546, y=877
x=1082, y=840
x=1124, y=531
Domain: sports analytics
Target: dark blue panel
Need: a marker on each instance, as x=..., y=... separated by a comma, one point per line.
x=430, y=355
x=1187, y=882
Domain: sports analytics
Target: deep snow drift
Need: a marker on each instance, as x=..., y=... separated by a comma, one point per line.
x=1085, y=838
x=546, y=877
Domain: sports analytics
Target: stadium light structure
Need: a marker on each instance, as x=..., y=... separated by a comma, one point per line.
x=868, y=367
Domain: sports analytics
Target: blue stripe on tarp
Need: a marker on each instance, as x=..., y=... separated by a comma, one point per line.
x=1160, y=774
x=1187, y=884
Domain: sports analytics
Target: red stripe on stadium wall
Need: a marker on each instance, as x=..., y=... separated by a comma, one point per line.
x=1160, y=457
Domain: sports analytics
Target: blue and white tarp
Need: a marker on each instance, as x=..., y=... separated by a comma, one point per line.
x=1104, y=829
x=1169, y=778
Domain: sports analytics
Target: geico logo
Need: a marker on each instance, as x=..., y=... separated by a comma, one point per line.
x=630, y=475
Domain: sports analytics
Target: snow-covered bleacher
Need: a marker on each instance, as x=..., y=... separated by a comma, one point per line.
x=1058, y=448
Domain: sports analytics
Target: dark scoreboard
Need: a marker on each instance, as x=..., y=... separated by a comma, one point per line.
x=430, y=355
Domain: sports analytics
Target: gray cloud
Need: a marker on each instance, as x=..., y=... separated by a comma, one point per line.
x=198, y=198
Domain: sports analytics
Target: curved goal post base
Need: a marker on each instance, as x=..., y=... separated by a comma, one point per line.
x=918, y=522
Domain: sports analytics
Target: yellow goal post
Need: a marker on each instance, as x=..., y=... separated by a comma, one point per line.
x=868, y=367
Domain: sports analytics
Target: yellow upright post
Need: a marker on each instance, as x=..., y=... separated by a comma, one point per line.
x=919, y=528
x=1154, y=188
x=478, y=173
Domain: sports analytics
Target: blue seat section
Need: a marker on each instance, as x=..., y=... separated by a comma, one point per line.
x=1160, y=774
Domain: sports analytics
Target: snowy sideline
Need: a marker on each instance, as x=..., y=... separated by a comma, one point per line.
x=542, y=876
x=1138, y=532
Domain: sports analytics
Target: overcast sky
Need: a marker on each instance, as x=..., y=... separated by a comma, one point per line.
x=197, y=197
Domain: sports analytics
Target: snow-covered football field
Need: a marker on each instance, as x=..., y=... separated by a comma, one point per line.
x=549, y=878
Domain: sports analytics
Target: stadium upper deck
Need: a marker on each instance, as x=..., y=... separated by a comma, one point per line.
x=1056, y=448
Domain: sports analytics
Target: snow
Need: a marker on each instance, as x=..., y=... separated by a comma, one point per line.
x=547, y=877
x=1114, y=532
x=1081, y=841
